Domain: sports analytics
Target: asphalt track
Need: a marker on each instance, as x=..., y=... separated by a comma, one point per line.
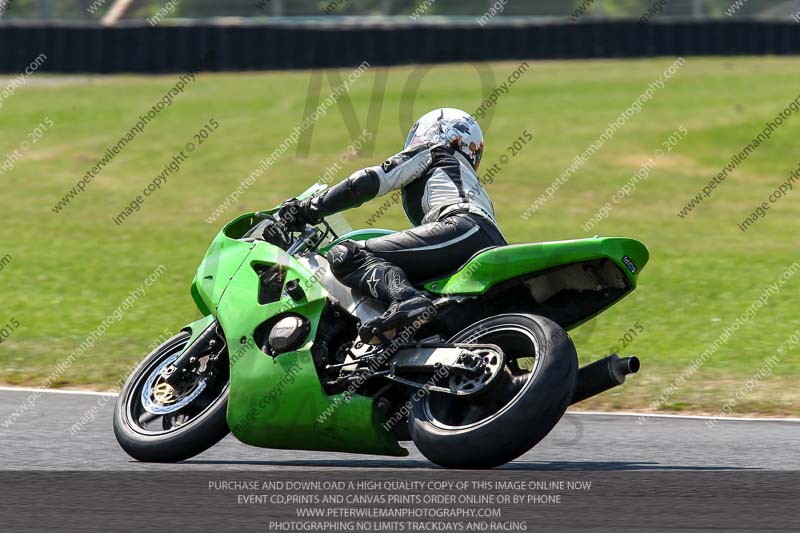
x=657, y=474
x=41, y=440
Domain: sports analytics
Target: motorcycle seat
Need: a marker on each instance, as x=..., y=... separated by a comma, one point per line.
x=420, y=284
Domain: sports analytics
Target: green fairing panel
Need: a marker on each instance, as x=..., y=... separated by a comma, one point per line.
x=226, y=254
x=357, y=235
x=498, y=264
x=279, y=402
x=224, y=257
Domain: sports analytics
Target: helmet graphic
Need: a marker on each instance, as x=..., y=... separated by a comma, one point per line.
x=450, y=127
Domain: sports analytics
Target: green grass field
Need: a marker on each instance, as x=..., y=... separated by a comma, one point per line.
x=68, y=271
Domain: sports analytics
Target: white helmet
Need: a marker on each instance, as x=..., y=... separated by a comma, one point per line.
x=450, y=127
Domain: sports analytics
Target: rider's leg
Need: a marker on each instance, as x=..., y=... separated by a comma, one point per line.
x=357, y=267
x=385, y=267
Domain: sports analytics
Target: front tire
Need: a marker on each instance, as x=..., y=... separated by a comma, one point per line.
x=182, y=429
x=491, y=429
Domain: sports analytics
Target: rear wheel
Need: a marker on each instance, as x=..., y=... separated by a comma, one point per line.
x=516, y=411
x=156, y=422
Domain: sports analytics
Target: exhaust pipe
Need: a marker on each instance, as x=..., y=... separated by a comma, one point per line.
x=603, y=375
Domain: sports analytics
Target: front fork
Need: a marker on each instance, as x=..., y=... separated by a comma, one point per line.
x=208, y=341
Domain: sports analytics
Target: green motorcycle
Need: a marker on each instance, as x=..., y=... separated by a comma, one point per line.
x=277, y=360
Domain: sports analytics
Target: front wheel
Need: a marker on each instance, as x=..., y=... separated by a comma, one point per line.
x=156, y=422
x=519, y=409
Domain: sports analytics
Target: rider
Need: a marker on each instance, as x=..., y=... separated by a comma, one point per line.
x=444, y=199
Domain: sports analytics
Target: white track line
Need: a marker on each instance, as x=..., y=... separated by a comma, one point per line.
x=595, y=413
x=689, y=417
x=57, y=391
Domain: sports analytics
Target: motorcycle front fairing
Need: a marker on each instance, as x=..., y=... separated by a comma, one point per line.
x=279, y=402
x=225, y=255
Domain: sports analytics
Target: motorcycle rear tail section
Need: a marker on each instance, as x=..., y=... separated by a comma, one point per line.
x=567, y=281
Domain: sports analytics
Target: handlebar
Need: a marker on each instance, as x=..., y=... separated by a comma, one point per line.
x=311, y=236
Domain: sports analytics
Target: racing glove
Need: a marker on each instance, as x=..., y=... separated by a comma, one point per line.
x=351, y=192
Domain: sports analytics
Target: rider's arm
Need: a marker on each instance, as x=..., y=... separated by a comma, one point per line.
x=365, y=184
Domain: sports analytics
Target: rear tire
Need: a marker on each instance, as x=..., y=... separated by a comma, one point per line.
x=200, y=433
x=534, y=401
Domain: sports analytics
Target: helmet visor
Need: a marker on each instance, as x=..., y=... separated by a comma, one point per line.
x=411, y=133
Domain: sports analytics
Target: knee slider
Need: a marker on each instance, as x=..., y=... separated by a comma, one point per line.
x=343, y=258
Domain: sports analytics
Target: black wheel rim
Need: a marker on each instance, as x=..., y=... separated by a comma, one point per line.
x=521, y=348
x=147, y=418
